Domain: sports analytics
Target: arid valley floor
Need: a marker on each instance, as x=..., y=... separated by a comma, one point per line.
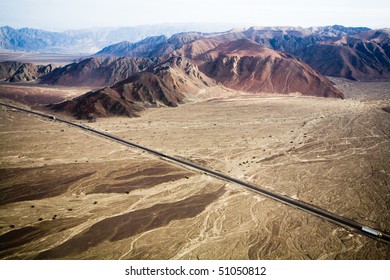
x=68, y=194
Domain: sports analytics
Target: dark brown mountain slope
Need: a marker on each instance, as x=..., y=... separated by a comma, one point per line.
x=194, y=49
x=378, y=35
x=364, y=61
x=102, y=103
x=247, y=66
x=150, y=90
x=293, y=39
x=96, y=71
x=166, y=84
x=364, y=55
x=12, y=71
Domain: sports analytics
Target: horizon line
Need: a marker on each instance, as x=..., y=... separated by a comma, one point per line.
x=205, y=24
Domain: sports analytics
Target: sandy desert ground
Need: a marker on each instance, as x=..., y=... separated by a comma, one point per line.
x=67, y=194
x=35, y=95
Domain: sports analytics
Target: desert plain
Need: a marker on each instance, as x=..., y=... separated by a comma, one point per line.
x=69, y=194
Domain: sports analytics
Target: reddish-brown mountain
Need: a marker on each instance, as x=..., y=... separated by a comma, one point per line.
x=364, y=61
x=96, y=71
x=247, y=66
x=166, y=84
x=241, y=64
x=370, y=47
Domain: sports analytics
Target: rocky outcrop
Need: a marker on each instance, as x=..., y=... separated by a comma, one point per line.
x=165, y=84
x=363, y=61
x=102, y=103
x=96, y=72
x=12, y=71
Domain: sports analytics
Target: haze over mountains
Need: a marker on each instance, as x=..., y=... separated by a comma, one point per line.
x=348, y=52
x=88, y=41
x=165, y=71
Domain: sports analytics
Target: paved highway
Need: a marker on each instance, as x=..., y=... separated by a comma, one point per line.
x=360, y=228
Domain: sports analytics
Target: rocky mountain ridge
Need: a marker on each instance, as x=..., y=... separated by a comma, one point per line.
x=13, y=71
x=164, y=84
x=168, y=71
x=362, y=54
x=96, y=71
x=247, y=66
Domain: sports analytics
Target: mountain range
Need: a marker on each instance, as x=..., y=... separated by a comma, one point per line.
x=167, y=71
x=352, y=53
x=242, y=65
x=89, y=41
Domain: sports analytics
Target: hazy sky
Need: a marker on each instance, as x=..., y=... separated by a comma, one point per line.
x=59, y=15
